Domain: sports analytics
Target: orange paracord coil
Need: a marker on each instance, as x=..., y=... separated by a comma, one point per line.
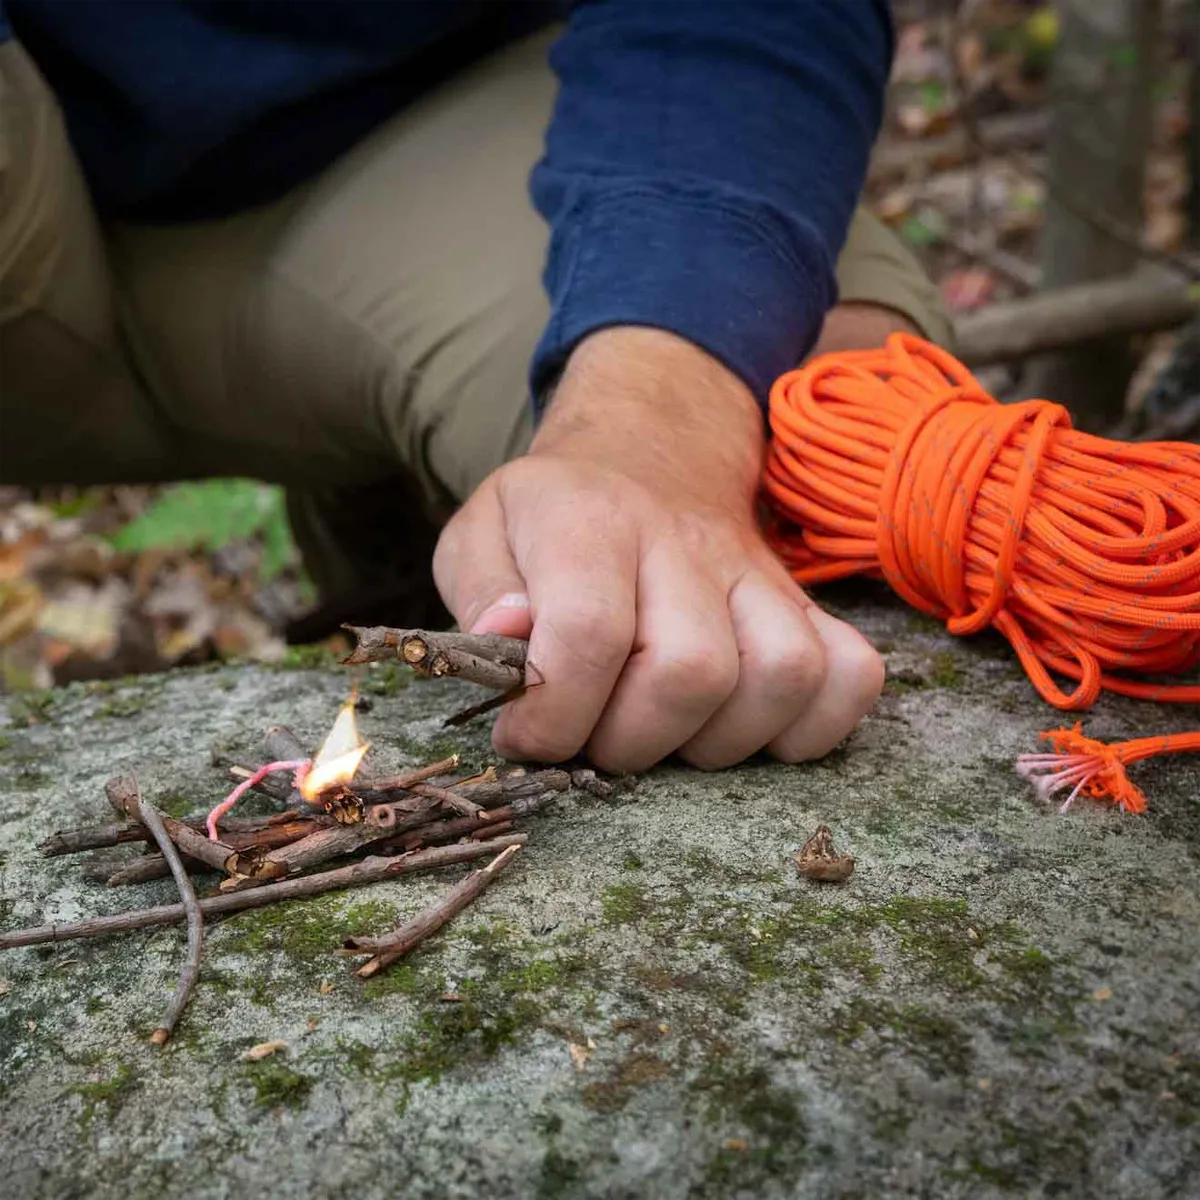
x=1083, y=552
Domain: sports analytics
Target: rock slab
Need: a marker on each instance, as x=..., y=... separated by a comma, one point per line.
x=651, y=1001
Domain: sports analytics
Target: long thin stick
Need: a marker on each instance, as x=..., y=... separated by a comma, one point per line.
x=388, y=948
x=190, y=971
x=368, y=870
x=100, y=837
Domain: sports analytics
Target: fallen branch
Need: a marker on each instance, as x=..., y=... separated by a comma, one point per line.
x=390, y=947
x=368, y=870
x=1142, y=302
x=190, y=971
x=488, y=659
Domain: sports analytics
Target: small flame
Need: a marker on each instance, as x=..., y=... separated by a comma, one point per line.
x=338, y=759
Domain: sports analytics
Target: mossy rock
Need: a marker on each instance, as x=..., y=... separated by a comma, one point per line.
x=650, y=1002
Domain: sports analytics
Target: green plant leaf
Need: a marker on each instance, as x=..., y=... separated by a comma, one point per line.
x=210, y=514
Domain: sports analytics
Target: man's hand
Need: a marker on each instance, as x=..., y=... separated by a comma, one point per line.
x=624, y=545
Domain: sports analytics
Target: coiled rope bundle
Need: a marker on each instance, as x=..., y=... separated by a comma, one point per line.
x=1084, y=553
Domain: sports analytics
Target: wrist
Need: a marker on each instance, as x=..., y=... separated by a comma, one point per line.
x=649, y=401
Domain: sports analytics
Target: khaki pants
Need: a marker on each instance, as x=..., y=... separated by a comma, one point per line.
x=363, y=342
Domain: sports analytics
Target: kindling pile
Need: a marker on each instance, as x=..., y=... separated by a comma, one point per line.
x=340, y=828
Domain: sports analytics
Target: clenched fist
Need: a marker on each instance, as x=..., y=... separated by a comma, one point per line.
x=624, y=546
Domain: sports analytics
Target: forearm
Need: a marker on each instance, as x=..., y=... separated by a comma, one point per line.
x=660, y=405
x=707, y=192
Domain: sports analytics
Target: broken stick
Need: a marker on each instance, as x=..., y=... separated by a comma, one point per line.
x=122, y=793
x=190, y=971
x=388, y=948
x=368, y=870
x=486, y=658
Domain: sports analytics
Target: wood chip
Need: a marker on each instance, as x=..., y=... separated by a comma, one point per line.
x=263, y=1050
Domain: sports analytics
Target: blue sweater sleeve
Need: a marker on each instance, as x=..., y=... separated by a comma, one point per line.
x=701, y=169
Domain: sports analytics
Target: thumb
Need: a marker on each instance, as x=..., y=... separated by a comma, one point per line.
x=476, y=574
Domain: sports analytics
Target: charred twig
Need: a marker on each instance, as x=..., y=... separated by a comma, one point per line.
x=190, y=971
x=390, y=947
x=368, y=870
x=488, y=659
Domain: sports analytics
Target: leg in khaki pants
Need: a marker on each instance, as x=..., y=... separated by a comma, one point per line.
x=364, y=341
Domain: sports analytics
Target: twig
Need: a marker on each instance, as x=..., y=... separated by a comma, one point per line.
x=368, y=870
x=513, y=786
x=399, y=942
x=282, y=743
x=414, y=775
x=271, y=837
x=488, y=659
x=122, y=792
x=486, y=706
x=461, y=804
x=101, y=837
x=325, y=844
x=190, y=971
x=486, y=825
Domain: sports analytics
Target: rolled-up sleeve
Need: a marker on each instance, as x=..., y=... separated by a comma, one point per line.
x=701, y=170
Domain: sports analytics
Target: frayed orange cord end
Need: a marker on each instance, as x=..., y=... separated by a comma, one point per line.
x=1086, y=766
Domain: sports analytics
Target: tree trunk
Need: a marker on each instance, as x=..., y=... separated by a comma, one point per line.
x=1099, y=131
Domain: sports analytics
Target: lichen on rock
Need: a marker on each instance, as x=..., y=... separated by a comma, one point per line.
x=652, y=1001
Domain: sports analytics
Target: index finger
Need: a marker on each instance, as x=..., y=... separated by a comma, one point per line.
x=581, y=576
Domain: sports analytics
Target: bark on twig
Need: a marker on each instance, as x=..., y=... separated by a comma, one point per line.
x=190, y=971
x=271, y=837
x=461, y=804
x=101, y=837
x=283, y=745
x=395, y=945
x=406, y=779
x=488, y=659
x=122, y=793
x=368, y=870
x=516, y=785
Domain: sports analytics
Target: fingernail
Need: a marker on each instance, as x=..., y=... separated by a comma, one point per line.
x=498, y=609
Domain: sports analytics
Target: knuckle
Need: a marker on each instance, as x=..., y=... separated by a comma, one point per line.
x=593, y=633
x=696, y=675
x=796, y=668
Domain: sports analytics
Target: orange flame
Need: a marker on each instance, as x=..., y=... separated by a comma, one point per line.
x=339, y=757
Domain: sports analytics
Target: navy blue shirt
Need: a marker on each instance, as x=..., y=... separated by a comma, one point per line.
x=701, y=166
